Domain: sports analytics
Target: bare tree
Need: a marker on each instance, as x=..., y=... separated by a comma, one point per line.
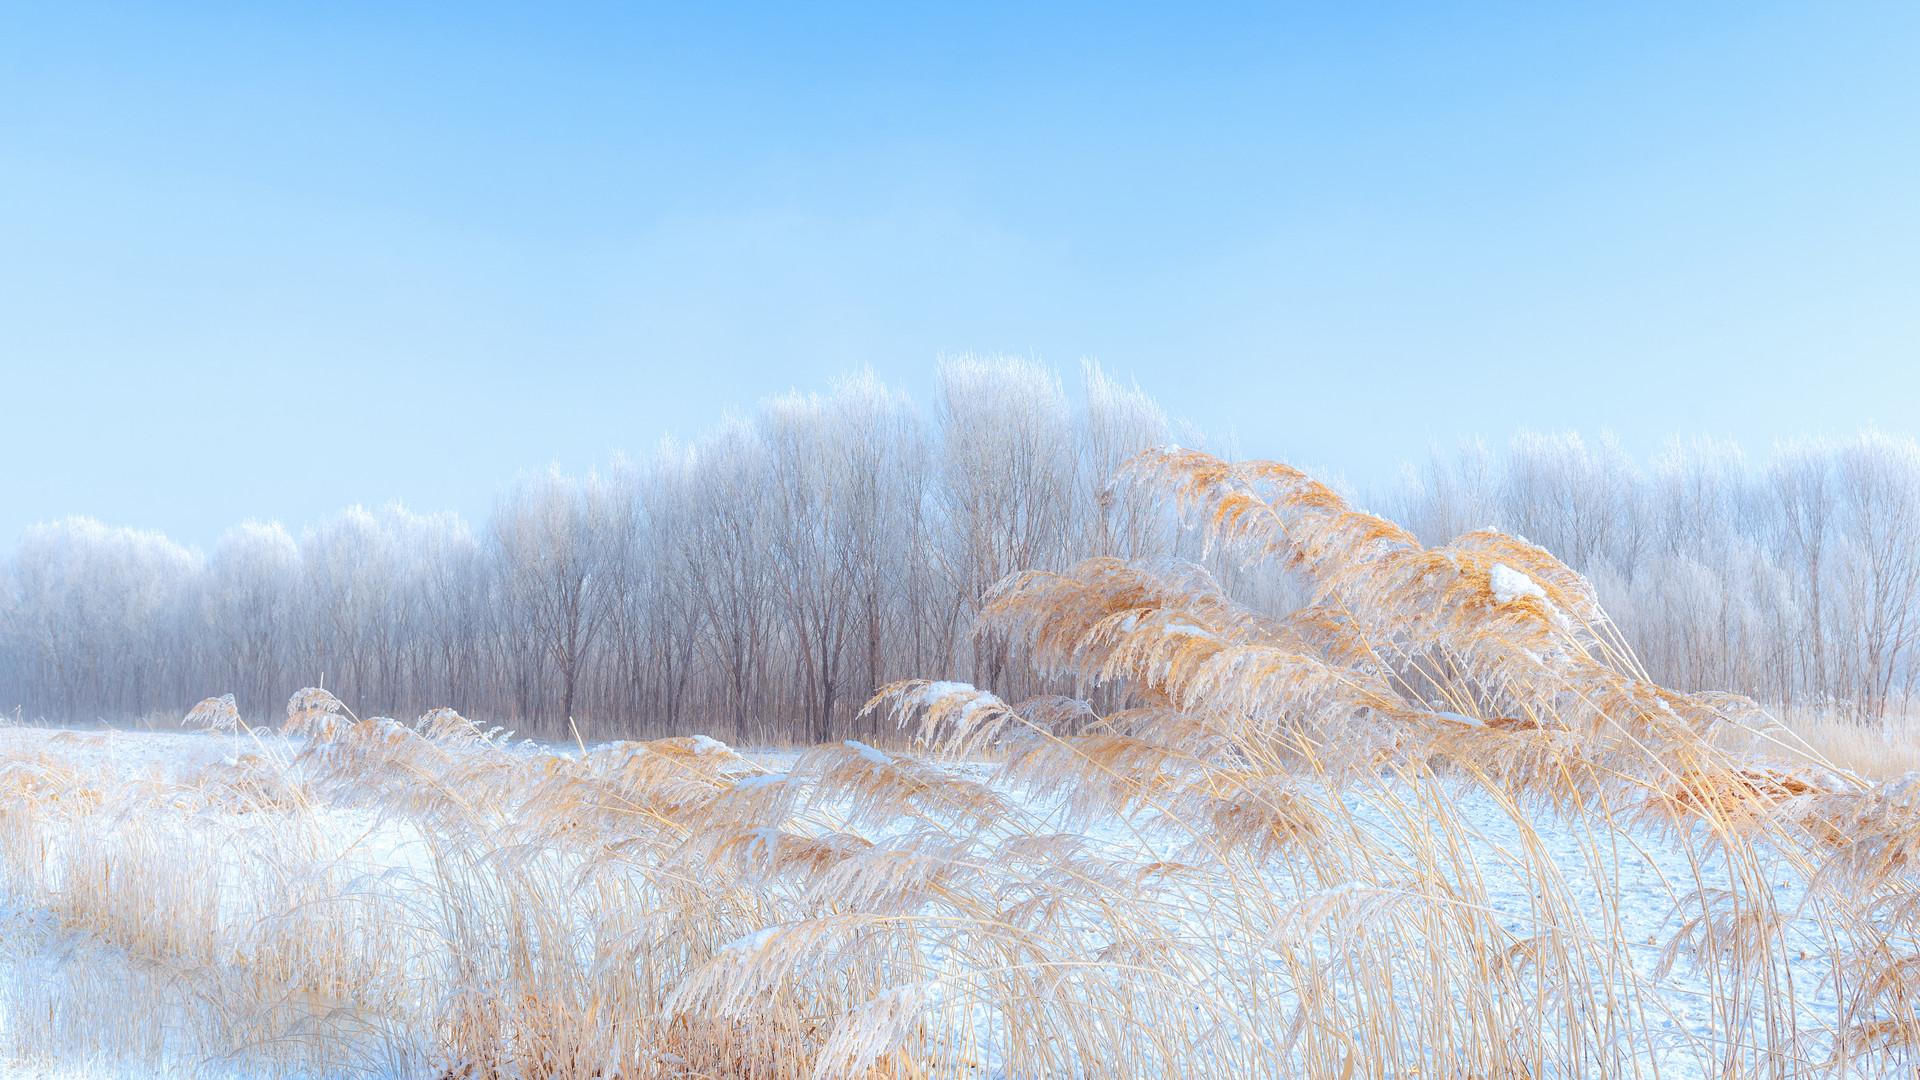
x=559, y=539
x=761, y=580
x=1008, y=466
x=1879, y=493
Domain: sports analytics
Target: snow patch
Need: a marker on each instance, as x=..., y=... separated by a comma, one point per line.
x=1510, y=585
x=706, y=744
x=872, y=755
x=761, y=780
x=933, y=692
x=753, y=942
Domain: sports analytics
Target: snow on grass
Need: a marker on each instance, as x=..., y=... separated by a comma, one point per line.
x=52, y=976
x=762, y=780
x=870, y=754
x=707, y=744
x=1509, y=585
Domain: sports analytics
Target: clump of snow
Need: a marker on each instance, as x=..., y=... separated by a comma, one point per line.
x=763, y=841
x=762, y=780
x=872, y=755
x=1458, y=718
x=705, y=744
x=1510, y=585
x=750, y=942
x=1902, y=789
x=978, y=701
x=934, y=691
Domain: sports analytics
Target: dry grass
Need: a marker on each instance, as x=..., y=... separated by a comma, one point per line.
x=1404, y=832
x=1875, y=751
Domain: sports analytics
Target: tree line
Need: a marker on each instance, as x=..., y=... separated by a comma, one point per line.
x=758, y=583
x=1795, y=580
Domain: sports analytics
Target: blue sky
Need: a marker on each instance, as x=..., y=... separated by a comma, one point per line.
x=266, y=260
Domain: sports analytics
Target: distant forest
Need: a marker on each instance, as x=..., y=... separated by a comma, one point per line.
x=760, y=583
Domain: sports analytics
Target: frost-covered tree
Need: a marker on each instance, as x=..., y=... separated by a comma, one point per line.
x=1878, y=482
x=251, y=609
x=1797, y=582
x=759, y=581
x=561, y=543
x=99, y=618
x=725, y=555
x=1008, y=465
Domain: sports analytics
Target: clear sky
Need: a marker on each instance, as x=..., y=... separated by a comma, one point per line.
x=260, y=260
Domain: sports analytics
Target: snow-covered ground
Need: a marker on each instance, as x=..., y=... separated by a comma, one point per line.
x=52, y=978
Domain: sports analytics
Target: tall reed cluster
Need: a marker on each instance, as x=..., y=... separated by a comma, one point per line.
x=1437, y=821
